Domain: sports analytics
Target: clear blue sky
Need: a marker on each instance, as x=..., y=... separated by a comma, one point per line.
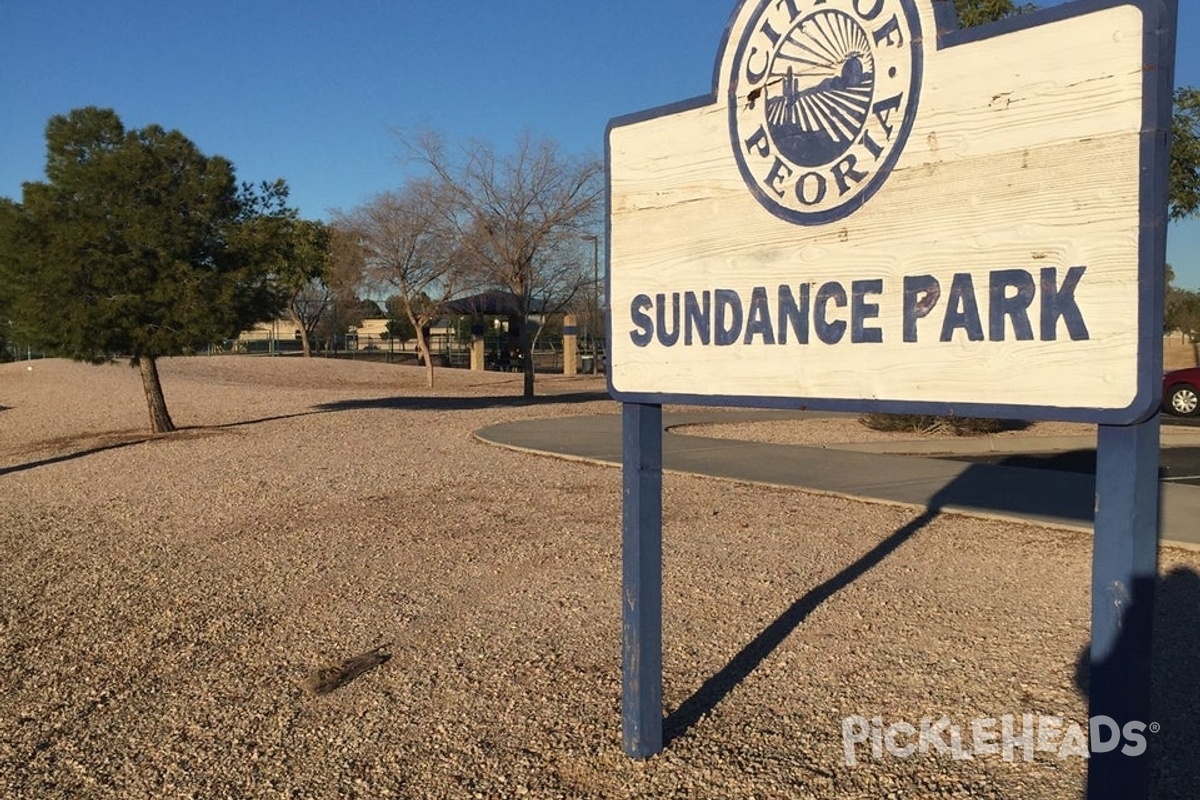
x=311, y=91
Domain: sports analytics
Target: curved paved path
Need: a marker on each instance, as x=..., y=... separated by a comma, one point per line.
x=1039, y=495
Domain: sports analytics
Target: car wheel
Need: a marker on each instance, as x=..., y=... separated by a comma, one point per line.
x=1182, y=400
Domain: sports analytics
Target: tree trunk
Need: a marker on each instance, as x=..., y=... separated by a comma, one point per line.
x=527, y=354
x=423, y=349
x=303, y=332
x=418, y=322
x=160, y=418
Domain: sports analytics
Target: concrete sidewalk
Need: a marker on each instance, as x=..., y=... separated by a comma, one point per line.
x=915, y=478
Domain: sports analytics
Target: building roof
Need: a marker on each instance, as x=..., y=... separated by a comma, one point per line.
x=494, y=303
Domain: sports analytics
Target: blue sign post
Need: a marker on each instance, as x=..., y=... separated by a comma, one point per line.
x=1124, y=573
x=874, y=211
x=641, y=583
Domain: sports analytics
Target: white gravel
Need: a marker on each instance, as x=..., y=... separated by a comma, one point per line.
x=163, y=598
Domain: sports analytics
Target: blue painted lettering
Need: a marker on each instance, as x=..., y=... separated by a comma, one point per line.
x=728, y=317
x=793, y=316
x=962, y=310
x=667, y=338
x=921, y=294
x=1059, y=301
x=889, y=29
x=793, y=9
x=871, y=13
x=779, y=173
x=759, y=143
x=758, y=318
x=698, y=315
x=788, y=314
x=873, y=147
x=883, y=110
x=811, y=187
x=1016, y=306
x=861, y=311
x=845, y=169
x=645, y=326
x=753, y=74
x=829, y=332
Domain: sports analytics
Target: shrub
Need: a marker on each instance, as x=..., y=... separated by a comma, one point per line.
x=929, y=423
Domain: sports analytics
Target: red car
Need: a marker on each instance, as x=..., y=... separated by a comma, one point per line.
x=1180, y=390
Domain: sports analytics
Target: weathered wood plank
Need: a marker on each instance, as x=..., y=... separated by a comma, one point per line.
x=1025, y=155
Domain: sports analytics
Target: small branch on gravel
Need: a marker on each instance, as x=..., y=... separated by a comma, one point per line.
x=324, y=680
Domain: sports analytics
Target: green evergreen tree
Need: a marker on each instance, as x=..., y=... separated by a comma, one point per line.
x=10, y=220
x=138, y=245
x=301, y=276
x=978, y=12
x=1184, y=199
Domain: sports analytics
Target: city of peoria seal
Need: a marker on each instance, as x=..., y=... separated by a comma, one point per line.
x=822, y=96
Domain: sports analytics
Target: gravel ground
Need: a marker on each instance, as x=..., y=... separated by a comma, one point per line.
x=164, y=600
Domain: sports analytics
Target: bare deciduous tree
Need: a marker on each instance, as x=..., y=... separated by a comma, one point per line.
x=306, y=307
x=344, y=280
x=517, y=213
x=408, y=246
x=302, y=275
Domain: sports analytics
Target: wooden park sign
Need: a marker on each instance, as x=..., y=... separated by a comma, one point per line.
x=876, y=211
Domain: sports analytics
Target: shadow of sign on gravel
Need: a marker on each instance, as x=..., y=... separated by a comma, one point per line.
x=1002, y=489
x=1174, y=599
x=716, y=688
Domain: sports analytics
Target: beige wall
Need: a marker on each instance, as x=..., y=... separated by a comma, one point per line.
x=372, y=328
x=275, y=329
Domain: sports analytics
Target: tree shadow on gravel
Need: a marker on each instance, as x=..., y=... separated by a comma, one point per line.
x=469, y=403
x=113, y=441
x=58, y=459
x=102, y=442
x=241, y=423
x=99, y=443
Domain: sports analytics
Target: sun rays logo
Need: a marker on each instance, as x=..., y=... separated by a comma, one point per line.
x=822, y=97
